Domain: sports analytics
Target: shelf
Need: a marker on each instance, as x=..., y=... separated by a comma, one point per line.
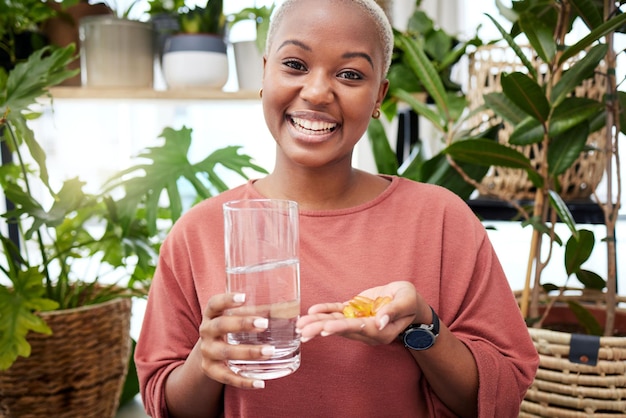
x=584, y=212
x=149, y=94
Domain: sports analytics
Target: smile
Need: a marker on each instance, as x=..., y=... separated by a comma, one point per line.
x=313, y=126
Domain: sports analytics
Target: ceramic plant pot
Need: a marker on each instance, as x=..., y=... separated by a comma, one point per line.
x=249, y=65
x=116, y=52
x=195, y=60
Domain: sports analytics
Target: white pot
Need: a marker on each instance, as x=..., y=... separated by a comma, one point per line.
x=249, y=64
x=116, y=52
x=195, y=61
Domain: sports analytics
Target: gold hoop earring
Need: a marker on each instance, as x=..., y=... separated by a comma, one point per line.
x=261, y=92
x=376, y=113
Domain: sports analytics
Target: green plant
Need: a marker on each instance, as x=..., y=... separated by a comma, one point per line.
x=207, y=19
x=19, y=24
x=420, y=77
x=543, y=110
x=156, y=7
x=75, y=248
x=261, y=17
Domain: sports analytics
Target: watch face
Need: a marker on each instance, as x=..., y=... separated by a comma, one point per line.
x=419, y=339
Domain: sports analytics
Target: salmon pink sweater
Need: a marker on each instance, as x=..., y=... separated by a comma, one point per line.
x=412, y=231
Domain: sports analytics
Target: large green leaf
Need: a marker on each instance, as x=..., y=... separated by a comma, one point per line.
x=515, y=47
x=578, y=250
x=529, y=131
x=597, y=33
x=621, y=95
x=421, y=108
x=504, y=107
x=588, y=12
x=438, y=170
x=585, y=318
x=590, y=280
x=16, y=310
x=526, y=94
x=423, y=68
x=487, y=152
x=572, y=112
x=167, y=165
x=565, y=149
x=30, y=80
x=385, y=158
x=580, y=71
x=540, y=37
x=562, y=211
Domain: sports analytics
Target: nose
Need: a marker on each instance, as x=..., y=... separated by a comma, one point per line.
x=317, y=89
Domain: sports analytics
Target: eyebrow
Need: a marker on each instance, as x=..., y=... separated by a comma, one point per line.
x=346, y=55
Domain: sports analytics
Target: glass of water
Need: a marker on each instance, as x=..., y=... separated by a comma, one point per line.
x=261, y=246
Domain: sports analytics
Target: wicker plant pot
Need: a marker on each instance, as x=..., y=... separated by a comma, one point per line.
x=563, y=388
x=486, y=65
x=78, y=371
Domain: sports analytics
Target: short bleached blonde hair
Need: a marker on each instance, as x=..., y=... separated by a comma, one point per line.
x=370, y=7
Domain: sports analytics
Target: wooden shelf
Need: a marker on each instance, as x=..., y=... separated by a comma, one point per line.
x=149, y=94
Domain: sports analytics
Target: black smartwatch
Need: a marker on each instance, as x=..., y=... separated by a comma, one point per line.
x=421, y=336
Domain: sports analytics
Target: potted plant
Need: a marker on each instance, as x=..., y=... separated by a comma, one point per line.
x=62, y=29
x=42, y=297
x=76, y=258
x=249, y=53
x=196, y=55
x=420, y=80
x=546, y=110
x=116, y=50
x=20, y=32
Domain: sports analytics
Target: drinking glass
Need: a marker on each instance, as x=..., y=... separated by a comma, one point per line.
x=261, y=246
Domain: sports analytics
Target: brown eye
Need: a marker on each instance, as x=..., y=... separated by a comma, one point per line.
x=350, y=75
x=294, y=64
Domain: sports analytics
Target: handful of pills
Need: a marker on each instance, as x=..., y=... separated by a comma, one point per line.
x=362, y=306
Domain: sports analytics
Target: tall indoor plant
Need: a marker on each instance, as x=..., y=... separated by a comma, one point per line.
x=577, y=371
x=39, y=265
x=63, y=231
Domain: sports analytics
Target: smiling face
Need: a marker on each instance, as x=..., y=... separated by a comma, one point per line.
x=323, y=80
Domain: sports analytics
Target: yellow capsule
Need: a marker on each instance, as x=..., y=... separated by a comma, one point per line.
x=362, y=306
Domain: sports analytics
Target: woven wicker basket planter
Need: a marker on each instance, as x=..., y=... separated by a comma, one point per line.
x=563, y=388
x=78, y=371
x=486, y=65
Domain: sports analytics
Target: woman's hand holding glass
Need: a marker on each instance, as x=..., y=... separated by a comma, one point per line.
x=216, y=351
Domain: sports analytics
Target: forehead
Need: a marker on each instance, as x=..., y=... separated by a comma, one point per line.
x=339, y=23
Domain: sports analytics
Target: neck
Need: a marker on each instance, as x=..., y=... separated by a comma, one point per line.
x=322, y=189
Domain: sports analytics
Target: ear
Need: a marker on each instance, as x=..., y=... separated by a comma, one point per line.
x=382, y=92
x=264, y=62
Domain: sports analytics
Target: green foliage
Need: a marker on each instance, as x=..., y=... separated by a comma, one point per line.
x=261, y=17
x=165, y=168
x=543, y=110
x=78, y=248
x=208, y=19
x=420, y=74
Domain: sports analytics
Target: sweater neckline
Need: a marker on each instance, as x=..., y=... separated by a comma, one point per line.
x=394, y=182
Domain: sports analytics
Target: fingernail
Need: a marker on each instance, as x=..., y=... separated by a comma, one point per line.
x=259, y=384
x=268, y=350
x=262, y=323
x=304, y=339
x=239, y=297
x=298, y=331
x=383, y=322
x=325, y=333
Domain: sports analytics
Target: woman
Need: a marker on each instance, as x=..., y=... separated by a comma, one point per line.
x=324, y=78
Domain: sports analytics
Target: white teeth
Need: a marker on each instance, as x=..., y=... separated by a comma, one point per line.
x=317, y=126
